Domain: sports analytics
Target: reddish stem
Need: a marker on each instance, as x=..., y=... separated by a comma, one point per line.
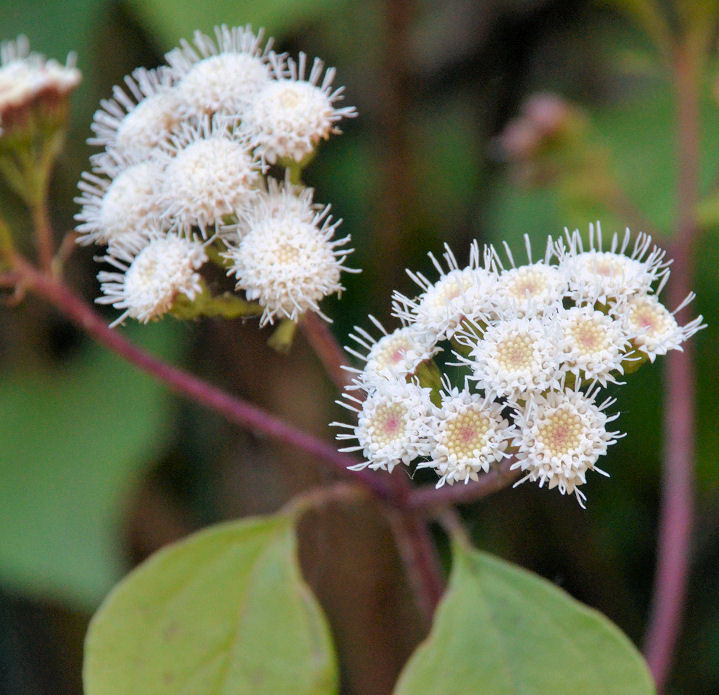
x=411, y=532
x=430, y=500
x=43, y=233
x=677, y=506
x=234, y=409
x=326, y=347
x=419, y=555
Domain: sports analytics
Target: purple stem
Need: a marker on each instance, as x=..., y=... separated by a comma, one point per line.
x=677, y=505
x=328, y=350
x=233, y=408
x=430, y=500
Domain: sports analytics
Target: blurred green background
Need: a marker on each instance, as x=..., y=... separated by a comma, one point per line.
x=100, y=466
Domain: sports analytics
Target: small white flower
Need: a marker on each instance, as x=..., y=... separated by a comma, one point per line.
x=528, y=289
x=278, y=199
x=468, y=434
x=26, y=76
x=288, y=264
x=208, y=175
x=133, y=125
x=391, y=425
x=149, y=282
x=653, y=328
x=395, y=355
x=559, y=438
x=458, y=295
x=222, y=76
x=115, y=209
x=593, y=344
x=515, y=356
x=290, y=115
x=604, y=276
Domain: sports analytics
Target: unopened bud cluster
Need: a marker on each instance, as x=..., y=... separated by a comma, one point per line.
x=31, y=85
x=201, y=162
x=498, y=360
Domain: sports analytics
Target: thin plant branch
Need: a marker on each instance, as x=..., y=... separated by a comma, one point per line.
x=234, y=409
x=326, y=347
x=430, y=500
x=418, y=552
x=411, y=532
x=43, y=233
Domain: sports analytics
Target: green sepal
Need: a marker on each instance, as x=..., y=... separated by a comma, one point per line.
x=634, y=359
x=283, y=336
x=430, y=376
x=226, y=305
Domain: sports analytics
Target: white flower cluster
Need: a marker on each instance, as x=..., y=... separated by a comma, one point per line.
x=196, y=166
x=533, y=346
x=25, y=77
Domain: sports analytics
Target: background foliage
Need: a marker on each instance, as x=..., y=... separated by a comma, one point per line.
x=100, y=467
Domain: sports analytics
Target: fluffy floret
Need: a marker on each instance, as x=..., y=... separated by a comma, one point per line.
x=288, y=264
x=117, y=209
x=393, y=356
x=222, y=76
x=593, y=344
x=652, y=327
x=288, y=118
x=149, y=282
x=459, y=295
x=515, y=357
x=609, y=276
x=208, y=175
x=559, y=438
x=468, y=434
x=391, y=425
x=132, y=124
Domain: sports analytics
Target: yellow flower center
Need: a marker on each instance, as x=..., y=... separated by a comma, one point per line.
x=561, y=433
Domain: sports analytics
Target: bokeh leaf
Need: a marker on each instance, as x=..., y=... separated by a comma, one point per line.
x=224, y=611
x=503, y=630
x=170, y=20
x=73, y=441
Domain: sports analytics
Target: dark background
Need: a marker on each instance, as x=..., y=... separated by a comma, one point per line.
x=99, y=466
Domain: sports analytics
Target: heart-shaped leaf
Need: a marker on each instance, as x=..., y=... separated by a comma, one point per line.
x=501, y=630
x=224, y=611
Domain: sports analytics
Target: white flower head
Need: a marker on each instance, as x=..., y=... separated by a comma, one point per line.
x=208, y=175
x=515, y=357
x=289, y=264
x=221, y=76
x=458, y=295
x=276, y=199
x=531, y=288
x=25, y=77
x=394, y=356
x=132, y=124
x=653, y=328
x=116, y=209
x=559, y=438
x=593, y=344
x=468, y=435
x=149, y=281
x=391, y=425
x=290, y=116
x=608, y=276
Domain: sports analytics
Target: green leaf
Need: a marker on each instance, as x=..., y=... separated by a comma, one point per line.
x=223, y=611
x=503, y=630
x=171, y=21
x=73, y=443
